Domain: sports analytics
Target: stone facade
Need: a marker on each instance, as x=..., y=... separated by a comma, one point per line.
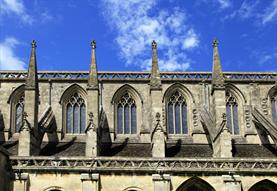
x=198, y=145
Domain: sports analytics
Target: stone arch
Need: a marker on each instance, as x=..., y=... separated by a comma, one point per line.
x=54, y=188
x=264, y=185
x=183, y=89
x=16, y=96
x=272, y=92
x=240, y=100
x=70, y=91
x=136, y=96
x=195, y=183
x=126, y=88
x=237, y=93
x=190, y=107
x=132, y=188
x=16, y=93
x=74, y=92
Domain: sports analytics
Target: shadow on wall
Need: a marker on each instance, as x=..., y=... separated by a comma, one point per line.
x=107, y=147
x=2, y=127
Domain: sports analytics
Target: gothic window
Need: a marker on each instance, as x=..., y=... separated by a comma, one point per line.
x=195, y=184
x=177, y=114
x=19, y=108
x=126, y=115
x=274, y=109
x=75, y=114
x=232, y=115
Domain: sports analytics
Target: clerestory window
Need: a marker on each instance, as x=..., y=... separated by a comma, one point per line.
x=126, y=115
x=232, y=115
x=19, y=109
x=274, y=109
x=177, y=114
x=76, y=114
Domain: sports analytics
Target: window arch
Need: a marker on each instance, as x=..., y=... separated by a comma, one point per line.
x=126, y=115
x=19, y=110
x=16, y=101
x=195, y=184
x=176, y=110
x=273, y=102
x=264, y=185
x=232, y=114
x=75, y=110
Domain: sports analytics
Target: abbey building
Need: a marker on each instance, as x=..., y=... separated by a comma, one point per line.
x=137, y=131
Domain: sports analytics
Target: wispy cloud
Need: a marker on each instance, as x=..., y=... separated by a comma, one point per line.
x=8, y=59
x=270, y=13
x=137, y=23
x=250, y=9
x=224, y=3
x=15, y=7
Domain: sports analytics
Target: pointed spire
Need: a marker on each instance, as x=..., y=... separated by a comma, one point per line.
x=93, y=80
x=32, y=78
x=217, y=76
x=155, y=81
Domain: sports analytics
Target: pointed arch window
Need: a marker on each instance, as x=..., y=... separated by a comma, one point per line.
x=19, y=109
x=177, y=114
x=126, y=115
x=274, y=109
x=75, y=114
x=232, y=114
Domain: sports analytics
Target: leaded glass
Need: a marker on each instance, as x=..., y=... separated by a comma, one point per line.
x=76, y=114
x=232, y=115
x=126, y=115
x=177, y=114
x=274, y=109
x=19, y=108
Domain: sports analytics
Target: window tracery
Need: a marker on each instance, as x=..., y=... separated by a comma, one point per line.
x=75, y=114
x=232, y=114
x=177, y=114
x=274, y=109
x=19, y=110
x=126, y=115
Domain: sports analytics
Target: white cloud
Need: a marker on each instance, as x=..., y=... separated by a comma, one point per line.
x=137, y=23
x=270, y=13
x=8, y=59
x=224, y=3
x=15, y=7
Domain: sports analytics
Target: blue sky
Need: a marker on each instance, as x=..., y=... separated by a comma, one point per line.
x=123, y=30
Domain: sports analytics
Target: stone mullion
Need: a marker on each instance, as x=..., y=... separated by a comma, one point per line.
x=174, y=125
x=181, y=119
x=130, y=119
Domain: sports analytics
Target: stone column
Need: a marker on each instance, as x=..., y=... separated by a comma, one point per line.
x=161, y=182
x=90, y=182
x=158, y=140
x=21, y=182
x=91, y=138
x=232, y=182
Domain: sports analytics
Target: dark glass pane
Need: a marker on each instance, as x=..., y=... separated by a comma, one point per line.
x=170, y=119
x=229, y=117
x=134, y=119
x=274, y=112
x=126, y=119
x=177, y=119
x=19, y=117
x=235, y=118
x=83, y=118
x=184, y=119
x=69, y=117
x=76, y=119
x=119, y=119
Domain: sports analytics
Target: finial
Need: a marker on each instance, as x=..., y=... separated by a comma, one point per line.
x=34, y=44
x=158, y=116
x=154, y=44
x=93, y=44
x=90, y=115
x=215, y=43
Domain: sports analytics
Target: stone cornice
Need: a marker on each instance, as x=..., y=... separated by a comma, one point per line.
x=140, y=76
x=145, y=165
